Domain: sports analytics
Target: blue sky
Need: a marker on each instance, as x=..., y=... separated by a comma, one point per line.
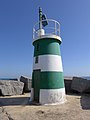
x=17, y=18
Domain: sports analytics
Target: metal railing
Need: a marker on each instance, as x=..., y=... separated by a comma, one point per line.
x=53, y=28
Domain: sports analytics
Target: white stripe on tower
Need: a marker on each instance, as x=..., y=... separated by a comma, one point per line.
x=52, y=96
x=48, y=63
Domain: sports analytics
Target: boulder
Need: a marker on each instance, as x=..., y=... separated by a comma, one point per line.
x=68, y=82
x=8, y=87
x=27, y=83
x=80, y=84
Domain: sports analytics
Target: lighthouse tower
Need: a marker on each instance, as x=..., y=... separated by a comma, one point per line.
x=47, y=77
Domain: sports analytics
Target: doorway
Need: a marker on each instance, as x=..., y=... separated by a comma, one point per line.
x=36, y=77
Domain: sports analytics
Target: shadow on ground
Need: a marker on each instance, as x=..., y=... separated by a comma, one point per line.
x=85, y=101
x=14, y=101
x=17, y=101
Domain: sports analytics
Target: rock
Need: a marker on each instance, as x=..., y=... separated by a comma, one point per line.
x=68, y=82
x=8, y=87
x=27, y=83
x=80, y=84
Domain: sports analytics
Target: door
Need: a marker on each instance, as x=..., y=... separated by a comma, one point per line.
x=36, y=85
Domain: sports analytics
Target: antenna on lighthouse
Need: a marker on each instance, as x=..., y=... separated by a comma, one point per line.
x=40, y=18
x=42, y=22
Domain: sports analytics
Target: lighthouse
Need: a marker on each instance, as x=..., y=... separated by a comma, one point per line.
x=47, y=76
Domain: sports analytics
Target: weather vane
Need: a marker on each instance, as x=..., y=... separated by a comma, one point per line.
x=42, y=19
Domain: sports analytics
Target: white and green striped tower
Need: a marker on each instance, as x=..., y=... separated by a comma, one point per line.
x=47, y=77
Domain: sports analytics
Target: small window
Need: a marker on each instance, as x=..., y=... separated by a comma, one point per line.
x=36, y=59
x=37, y=47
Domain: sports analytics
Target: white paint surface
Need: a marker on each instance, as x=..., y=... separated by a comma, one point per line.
x=52, y=96
x=48, y=36
x=48, y=63
x=41, y=32
x=32, y=94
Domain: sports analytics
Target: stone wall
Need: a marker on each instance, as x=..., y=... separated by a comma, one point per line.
x=10, y=87
x=80, y=85
x=27, y=83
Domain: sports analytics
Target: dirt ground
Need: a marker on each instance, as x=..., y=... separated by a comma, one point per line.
x=17, y=107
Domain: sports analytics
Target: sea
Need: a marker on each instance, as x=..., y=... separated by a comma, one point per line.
x=9, y=79
x=87, y=77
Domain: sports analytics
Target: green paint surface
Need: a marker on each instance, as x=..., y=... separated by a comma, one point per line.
x=36, y=84
x=46, y=46
x=51, y=80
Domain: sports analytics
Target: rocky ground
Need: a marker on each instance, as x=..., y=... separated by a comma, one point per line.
x=17, y=107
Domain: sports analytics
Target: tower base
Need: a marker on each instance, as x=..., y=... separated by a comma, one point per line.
x=50, y=96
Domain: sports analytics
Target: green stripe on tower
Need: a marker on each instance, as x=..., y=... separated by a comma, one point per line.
x=46, y=46
x=51, y=80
